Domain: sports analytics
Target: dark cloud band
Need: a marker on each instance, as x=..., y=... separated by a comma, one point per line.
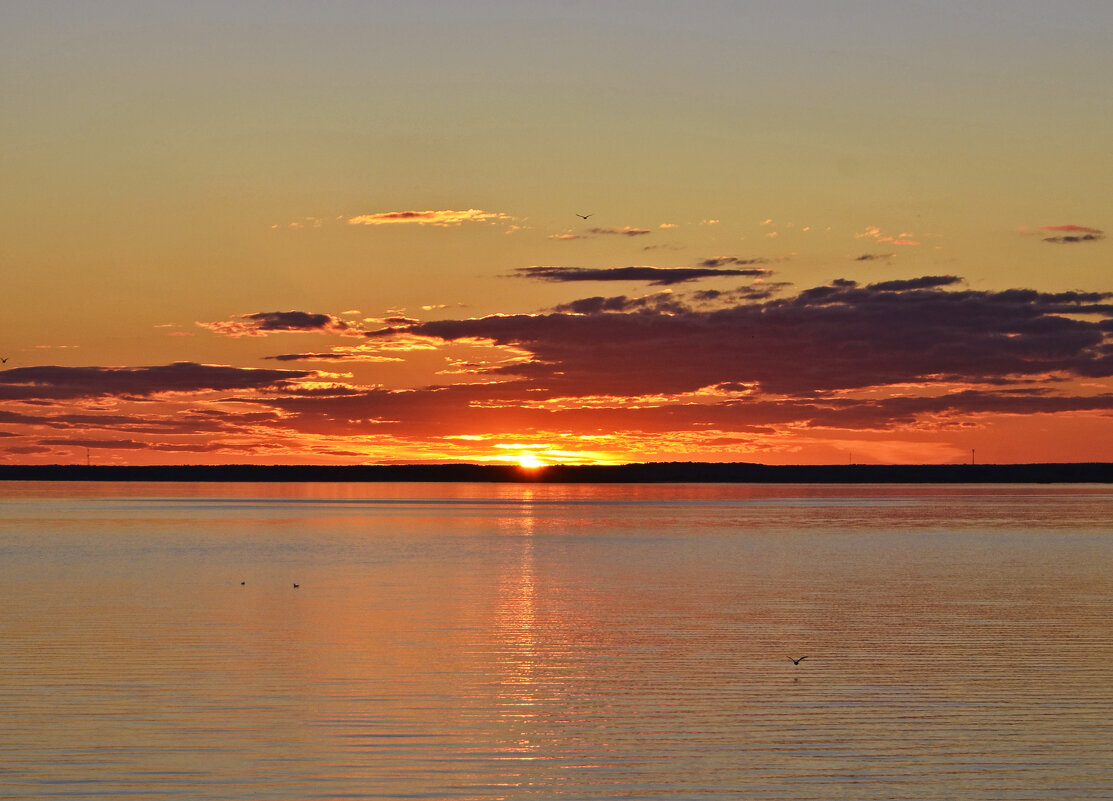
x=59, y=383
x=656, y=276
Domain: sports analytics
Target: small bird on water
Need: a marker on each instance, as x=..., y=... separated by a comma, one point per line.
x=797, y=661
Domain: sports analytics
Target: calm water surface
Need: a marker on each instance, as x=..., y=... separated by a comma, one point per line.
x=531, y=641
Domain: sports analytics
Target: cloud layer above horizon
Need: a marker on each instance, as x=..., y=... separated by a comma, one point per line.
x=709, y=372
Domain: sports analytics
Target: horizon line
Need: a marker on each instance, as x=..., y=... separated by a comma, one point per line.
x=632, y=473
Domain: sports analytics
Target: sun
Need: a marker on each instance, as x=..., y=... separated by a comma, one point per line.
x=528, y=461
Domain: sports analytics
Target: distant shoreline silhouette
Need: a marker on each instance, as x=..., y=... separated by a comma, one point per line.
x=646, y=473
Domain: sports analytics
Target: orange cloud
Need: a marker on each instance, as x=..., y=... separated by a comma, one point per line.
x=873, y=232
x=305, y=222
x=442, y=218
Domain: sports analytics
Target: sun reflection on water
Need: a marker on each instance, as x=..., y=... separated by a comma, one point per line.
x=519, y=693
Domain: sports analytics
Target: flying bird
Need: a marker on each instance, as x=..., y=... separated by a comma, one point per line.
x=4, y=360
x=296, y=586
x=585, y=216
x=797, y=661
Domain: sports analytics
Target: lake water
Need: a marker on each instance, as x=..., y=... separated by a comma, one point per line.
x=534, y=641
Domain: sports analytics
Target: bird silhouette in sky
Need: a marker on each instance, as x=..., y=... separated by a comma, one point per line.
x=4, y=360
x=296, y=586
x=798, y=661
x=585, y=216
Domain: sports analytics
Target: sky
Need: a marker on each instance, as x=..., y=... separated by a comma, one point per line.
x=542, y=232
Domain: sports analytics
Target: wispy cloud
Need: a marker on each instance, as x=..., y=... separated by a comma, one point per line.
x=625, y=231
x=304, y=222
x=260, y=324
x=875, y=256
x=660, y=301
x=1070, y=229
x=743, y=294
x=356, y=354
x=27, y=450
x=1071, y=234
x=117, y=444
x=165, y=447
x=875, y=233
x=441, y=218
x=722, y=261
x=923, y=282
x=1071, y=239
x=658, y=276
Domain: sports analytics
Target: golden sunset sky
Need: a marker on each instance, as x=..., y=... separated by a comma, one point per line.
x=348, y=232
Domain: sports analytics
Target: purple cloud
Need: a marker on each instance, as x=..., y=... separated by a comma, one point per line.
x=259, y=324
x=722, y=261
x=59, y=383
x=626, y=231
x=1069, y=239
x=839, y=336
x=656, y=276
x=924, y=282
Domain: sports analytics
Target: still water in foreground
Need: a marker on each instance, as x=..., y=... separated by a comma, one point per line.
x=535, y=641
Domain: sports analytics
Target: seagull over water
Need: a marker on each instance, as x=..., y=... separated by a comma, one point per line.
x=585, y=216
x=797, y=661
